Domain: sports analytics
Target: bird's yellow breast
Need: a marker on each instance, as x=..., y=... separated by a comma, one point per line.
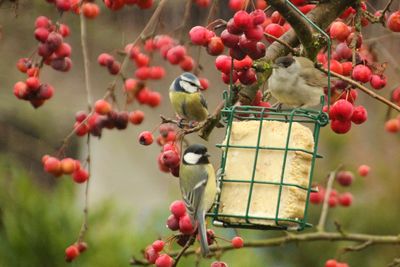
x=188, y=106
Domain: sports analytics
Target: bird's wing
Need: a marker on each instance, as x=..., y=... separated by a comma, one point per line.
x=314, y=77
x=193, y=190
x=203, y=101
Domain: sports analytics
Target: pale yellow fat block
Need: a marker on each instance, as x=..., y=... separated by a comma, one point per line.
x=239, y=166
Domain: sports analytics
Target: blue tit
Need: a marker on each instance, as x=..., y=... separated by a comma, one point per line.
x=296, y=82
x=198, y=187
x=186, y=98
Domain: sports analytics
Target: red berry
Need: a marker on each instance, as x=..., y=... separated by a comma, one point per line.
x=42, y=22
x=378, y=81
x=41, y=34
x=335, y=66
x=331, y=263
x=332, y=201
x=220, y=263
x=360, y=115
x=200, y=35
x=178, y=208
x=236, y=5
x=33, y=83
x=130, y=84
x=143, y=95
x=102, y=107
x=146, y=138
x=142, y=60
x=339, y=30
x=229, y=39
x=164, y=260
x=185, y=225
x=340, y=127
x=81, y=129
x=393, y=22
x=154, y=99
x=275, y=30
x=171, y=158
x=173, y=223
x=143, y=73
x=176, y=54
x=68, y=165
x=232, y=28
x=361, y=73
x=63, y=5
x=363, y=170
x=71, y=253
x=243, y=20
x=203, y=3
x=157, y=72
x=80, y=176
x=345, y=199
x=345, y=178
x=158, y=245
x=144, y=4
x=248, y=76
x=204, y=83
x=187, y=63
x=90, y=10
x=316, y=197
x=215, y=46
x=392, y=125
x=82, y=246
x=223, y=63
x=258, y=16
x=341, y=110
x=256, y=33
x=136, y=117
x=343, y=51
x=52, y=165
x=347, y=67
x=114, y=68
x=105, y=59
x=237, y=242
x=64, y=30
x=64, y=50
x=151, y=254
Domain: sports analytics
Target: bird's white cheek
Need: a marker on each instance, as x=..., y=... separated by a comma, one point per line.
x=188, y=87
x=192, y=158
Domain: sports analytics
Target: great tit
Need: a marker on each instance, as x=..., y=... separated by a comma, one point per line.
x=186, y=98
x=198, y=187
x=296, y=82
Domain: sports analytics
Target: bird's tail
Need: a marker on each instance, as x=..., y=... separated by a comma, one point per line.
x=202, y=233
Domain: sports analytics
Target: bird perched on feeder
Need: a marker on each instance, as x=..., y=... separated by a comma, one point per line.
x=186, y=98
x=296, y=82
x=198, y=187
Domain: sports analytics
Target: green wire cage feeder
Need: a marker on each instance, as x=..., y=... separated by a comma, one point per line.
x=267, y=164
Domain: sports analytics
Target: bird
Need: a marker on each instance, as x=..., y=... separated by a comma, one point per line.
x=296, y=82
x=186, y=99
x=198, y=186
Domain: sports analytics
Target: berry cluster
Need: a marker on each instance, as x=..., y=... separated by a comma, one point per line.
x=335, y=263
x=74, y=251
x=53, y=52
x=343, y=112
x=153, y=256
x=169, y=159
x=393, y=125
x=67, y=166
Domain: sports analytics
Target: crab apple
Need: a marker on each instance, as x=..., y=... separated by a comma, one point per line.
x=146, y=138
x=41, y=34
x=361, y=73
x=392, y=125
x=396, y=95
x=237, y=242
x=130, y=84
x=176, y=54
x=393, y=22
x=81, y=129
x=80, y=116
x=345, y=199
x=341, y=110
x=378, y=81
x=80, y=176
x=200, y=35
x=347, y=67
x=173, y=223
x=71, y=253
x=258, y=16
x=277, y=18
x=339, y=30
x=82, y=247
x=114, y=68
x=37, y=103
x=63, y=51
x=306, y=8
x=243, y=20
x=343, y=51
x=164, y=260
x=203, y=3
x=247, y=77
x=154, y=99
x=23, y=64
x=335, y=66
x=232, y=28
x=144, y=4
x=42, y=22
x=52, y=165
x=158, y=245
x=68, y=165
x=259, y=52
x=219, y=263
x=136, y=117
x=237, y=53
x=256, y=33
x=187, y=63
x=33, y=83
x=226, y=78
x=345, y=178
x=360, y=115
x=275, y=30
x=114, y=4
x=102, y=107
x=105, y=59
x=142, y=96
x=340, y=127
x=171, y=159
x=331, y=263
x=205, y=83
x=223, y=63
x=63, y=5
x=316, y=197
x=54, y=40
x=142, y=60
x=143, y=73
x=215, y=46
x=151, y=254
x=90, y=10
x=120, y=121
x=359, y=40
x=185, y=225
x=243, y=64
x=332, y=201
x=363, y=170
x=132, y=50
x=237, y=5
x=178, y=208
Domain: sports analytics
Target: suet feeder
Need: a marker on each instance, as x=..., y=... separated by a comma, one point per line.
x=267, y=164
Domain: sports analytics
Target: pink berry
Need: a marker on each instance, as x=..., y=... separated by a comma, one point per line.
x=185, y=225
x=80, y=176
x=275, y=30
x=71, y=253
x=42, y=22
x=204, y=83
x=187, y=63
x=378, y=81
x=105, y=59
x=248, y=76
x=237, y=242
x=236, y=5
x=392, y=125
x=215, y=46
x=102, y=107
x=316, y=197
x=171, y=159
x=219, y=264
x=258, y=16
x=360, y=115
x=223, y=63
x=199, y=35
x=341, y=110
x=173, y=223
x=146, y=138
x=158, y=245
x=345, y=178
x=345, y=199
x=256, y=33
x=363, y=170
x=154, y=99
x=340, y=127
x=52, y=165
x=332, y=201
x=339, y=31
x=361, y=73
x=164, y=260
x=151, y=254
x=178, y=208
x=393, y=22
x=136, y=117
x=331, y=263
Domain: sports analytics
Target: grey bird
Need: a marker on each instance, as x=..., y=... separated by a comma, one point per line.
x=296, y=82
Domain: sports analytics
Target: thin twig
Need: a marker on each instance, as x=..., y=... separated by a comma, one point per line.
x=364, y=89
x=358, y=247
x=282, y=43
x=187, y=245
